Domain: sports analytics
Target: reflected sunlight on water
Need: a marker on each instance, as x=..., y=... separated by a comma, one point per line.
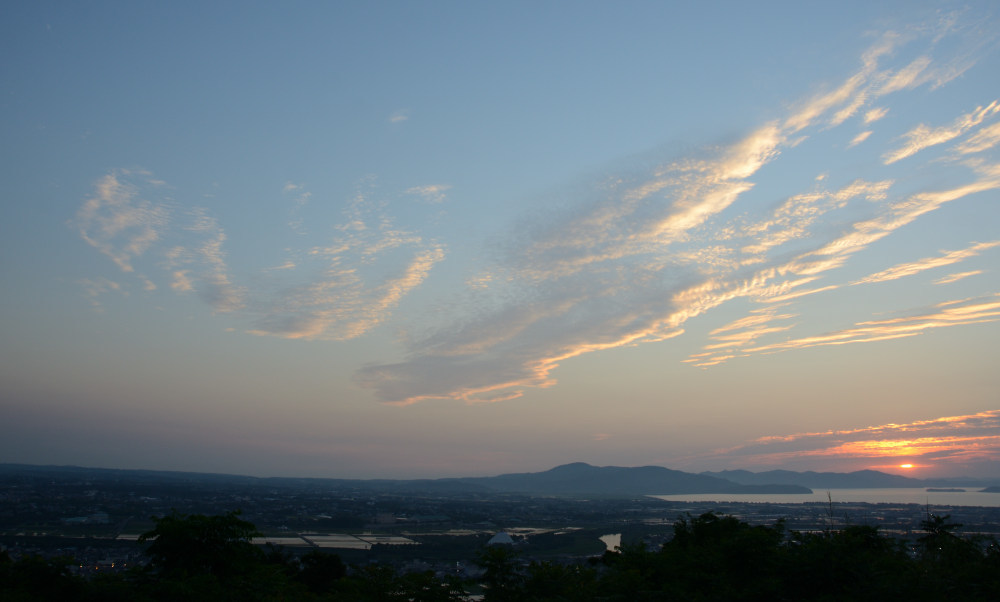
x=972, y=496
x=612, y=540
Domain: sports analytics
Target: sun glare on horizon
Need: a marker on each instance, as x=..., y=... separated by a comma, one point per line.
x=435, y=260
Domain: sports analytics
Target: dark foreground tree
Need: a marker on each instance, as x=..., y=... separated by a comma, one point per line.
x=198, y=557
x=724, y=558
x=381, y=583
x=502, y=580
x=549, y=581
x=35, y=578
x=721, y=558
x=710, y=558
x=855, y=563
x=321, y=571
x=197, y=544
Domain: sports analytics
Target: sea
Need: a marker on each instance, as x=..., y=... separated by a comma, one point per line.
x=971, y=496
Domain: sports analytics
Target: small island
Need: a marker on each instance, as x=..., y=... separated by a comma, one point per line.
x=945, y=490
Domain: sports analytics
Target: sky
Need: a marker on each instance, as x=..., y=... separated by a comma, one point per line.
x=414, y=240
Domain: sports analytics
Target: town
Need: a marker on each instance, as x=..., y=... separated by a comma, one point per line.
x=96, y=517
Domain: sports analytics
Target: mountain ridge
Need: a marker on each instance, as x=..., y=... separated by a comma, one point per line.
x=575, y=478
x=859, y=479
x=583, y=478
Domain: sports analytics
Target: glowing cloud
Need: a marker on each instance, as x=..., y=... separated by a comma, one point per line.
x=860, y=138
x=939, y=441
x=956, y=277
x=875, y=114
x=629, y=262
x=922, y=137
x=928, y=263
x=982, y=140
x=656, y=249
x=952, y=313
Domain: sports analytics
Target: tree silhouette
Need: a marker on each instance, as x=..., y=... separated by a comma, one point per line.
x=502, y=580
x=321, y=571
x=198, y=544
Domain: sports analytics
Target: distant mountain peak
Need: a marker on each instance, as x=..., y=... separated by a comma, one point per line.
x=583, y=478
x=572, y=466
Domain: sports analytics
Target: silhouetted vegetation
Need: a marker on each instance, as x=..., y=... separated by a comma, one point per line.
x=710, y=557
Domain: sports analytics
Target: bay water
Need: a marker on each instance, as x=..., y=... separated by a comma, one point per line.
x=972, y=496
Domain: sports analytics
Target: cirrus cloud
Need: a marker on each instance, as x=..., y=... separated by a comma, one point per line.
x=338, y=291
x=649, y=251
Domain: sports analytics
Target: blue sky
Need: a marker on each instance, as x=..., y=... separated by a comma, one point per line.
x=398, y=239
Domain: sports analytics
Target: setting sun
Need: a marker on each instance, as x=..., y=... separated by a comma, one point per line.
x=482, y=286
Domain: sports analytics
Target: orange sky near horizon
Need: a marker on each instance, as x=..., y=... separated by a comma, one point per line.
x=505, y=237
x=935, y=447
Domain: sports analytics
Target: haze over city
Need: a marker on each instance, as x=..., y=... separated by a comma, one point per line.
x=413, y=240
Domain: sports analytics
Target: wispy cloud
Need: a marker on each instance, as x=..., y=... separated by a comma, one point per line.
x=631, y=262
x=910, y=76
x=96, y=288
x=589, y=302
x=895, y=215
x=731, y=339
x=355, y=282
x=288, y=265
x=875, y=114
x=337, y=291
x=928, y=263
x=952, y=313
x=957, y=276
x=922, y=136
x=984, y=139
x=201, y=266
x=299, y=197
x=433, y=193
x=871, y=83
x=118, y=222
x=793, y=219
x=650, y=251
x=861, y=137
x=399, y=116
x=783, y=281
x=341, y=306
